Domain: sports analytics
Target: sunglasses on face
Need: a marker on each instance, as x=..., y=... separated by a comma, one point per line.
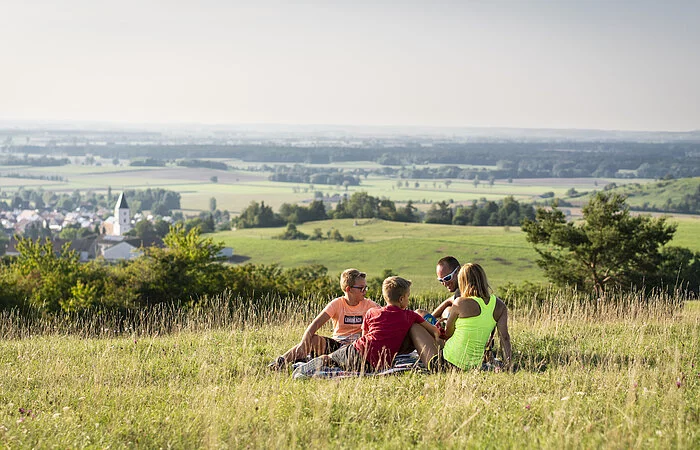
x=448, y=277
x=361, y=288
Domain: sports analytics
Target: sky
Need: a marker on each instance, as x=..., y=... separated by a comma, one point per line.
x=587, y=64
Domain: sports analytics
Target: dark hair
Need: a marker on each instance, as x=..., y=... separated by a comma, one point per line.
x=450, y=262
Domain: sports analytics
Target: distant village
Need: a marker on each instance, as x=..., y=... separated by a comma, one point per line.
x=108, y=240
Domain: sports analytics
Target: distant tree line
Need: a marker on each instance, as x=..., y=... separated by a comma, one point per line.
x=361, y=205
x=313, y=175
x=30, y=176
x=507, y=212
x=42, y=161
x=509, y=159
x=147, y=162
x=204, y=163
x=159, y=201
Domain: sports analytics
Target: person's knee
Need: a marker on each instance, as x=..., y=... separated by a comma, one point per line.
x=422, y=312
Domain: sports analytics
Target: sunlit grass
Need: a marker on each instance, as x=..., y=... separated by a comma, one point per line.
x=617, y=375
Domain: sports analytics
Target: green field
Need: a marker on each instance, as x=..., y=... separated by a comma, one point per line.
x=411, y=250
x=589, y=377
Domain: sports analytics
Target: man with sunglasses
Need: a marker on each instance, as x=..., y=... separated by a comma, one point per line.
x=346, y=314
x=447, y=270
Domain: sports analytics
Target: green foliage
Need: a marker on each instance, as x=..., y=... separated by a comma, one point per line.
x=292, y=233
x=73, y=232
x=41, y=275
x=439, y=213
x=610, y=248
x=160, y=201
x=297, y=214
x=258, y=215
x=361, y=205
x=507, y=212
x=185, y=270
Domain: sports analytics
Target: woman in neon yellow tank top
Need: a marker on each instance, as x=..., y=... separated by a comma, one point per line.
x=473, y=317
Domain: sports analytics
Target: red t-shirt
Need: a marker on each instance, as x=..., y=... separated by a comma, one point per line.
x=383, y=331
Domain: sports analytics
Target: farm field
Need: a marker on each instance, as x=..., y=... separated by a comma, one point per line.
x=236, y=188
x=410, y=250
x=207, y=386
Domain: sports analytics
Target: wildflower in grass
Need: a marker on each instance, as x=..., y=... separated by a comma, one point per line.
x=527, y=407
x=678, y=383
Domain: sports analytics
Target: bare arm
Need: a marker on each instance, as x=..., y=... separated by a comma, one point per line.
x=432, y=329
x=311, y=330
x=502, y=325
x=452, y=320
x=437, y=313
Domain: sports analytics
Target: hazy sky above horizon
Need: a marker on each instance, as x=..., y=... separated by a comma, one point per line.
x=628, y=65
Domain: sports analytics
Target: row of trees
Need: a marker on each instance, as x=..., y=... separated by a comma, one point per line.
x=205, y=163
x=313, y=175
x=505, y=159
x=41, y=161
x=159, y=201
x=508, y=212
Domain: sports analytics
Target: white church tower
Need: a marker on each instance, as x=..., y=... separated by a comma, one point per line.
x=122, y=218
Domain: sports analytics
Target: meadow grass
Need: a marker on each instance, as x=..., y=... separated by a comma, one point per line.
x=410, y=250
x=619, y=374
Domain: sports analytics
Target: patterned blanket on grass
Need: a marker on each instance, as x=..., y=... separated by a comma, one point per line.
x=402, y=363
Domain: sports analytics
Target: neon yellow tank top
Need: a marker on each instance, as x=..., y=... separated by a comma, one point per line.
x=465, y=349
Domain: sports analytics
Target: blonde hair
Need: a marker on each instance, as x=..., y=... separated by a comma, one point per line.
x=394, y=288
x=349, y=276
x=473, y=281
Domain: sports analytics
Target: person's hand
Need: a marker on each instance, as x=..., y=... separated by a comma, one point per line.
x=442, y=332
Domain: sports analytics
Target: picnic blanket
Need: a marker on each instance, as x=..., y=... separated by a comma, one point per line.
x=409, y=362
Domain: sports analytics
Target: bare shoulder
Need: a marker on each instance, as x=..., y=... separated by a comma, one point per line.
x=499, y=309
x=467, y=307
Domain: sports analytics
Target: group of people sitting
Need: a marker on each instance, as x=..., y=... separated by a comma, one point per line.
x=458, y=334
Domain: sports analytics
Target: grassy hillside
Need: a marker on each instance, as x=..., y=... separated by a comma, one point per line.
x=653, y=195
x=410, y=250
x=207, y=386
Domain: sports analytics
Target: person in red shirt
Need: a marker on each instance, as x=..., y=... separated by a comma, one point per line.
x=383, y=331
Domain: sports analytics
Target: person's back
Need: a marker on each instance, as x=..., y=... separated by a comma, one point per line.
x=383, y=331
x=465, y=348
x=472, y=320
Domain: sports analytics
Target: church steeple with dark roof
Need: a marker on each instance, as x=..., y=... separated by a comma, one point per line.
x=122, y=216
x=121, y=202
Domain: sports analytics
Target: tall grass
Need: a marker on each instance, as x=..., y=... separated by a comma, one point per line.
x=619, y=372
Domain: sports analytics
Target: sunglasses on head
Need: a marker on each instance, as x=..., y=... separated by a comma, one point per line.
x=361, y=288
x=448, y=277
